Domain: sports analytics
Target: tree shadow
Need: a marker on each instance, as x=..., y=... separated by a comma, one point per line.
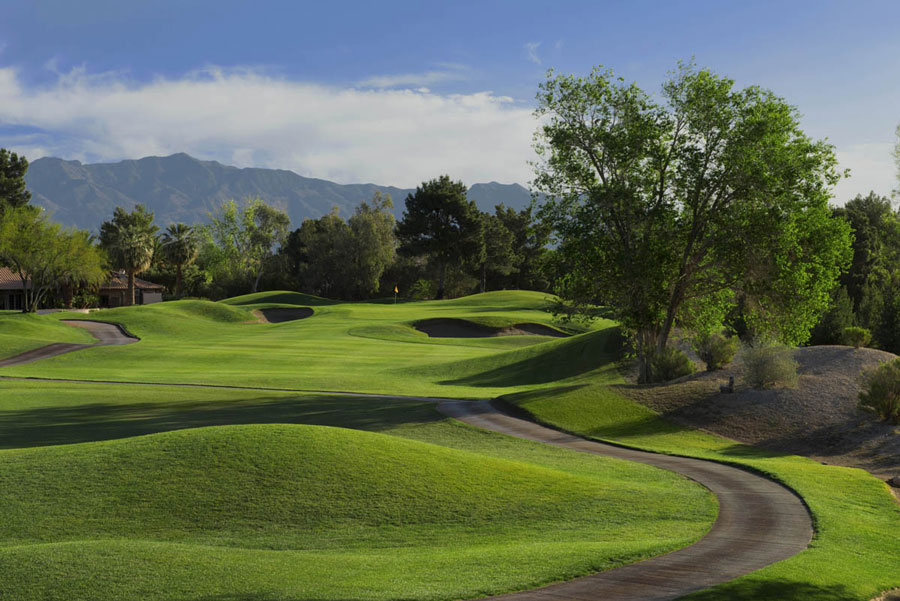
x=105, y=421
x=780, y=589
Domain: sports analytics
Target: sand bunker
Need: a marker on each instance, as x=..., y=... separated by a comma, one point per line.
x=460, y=328
x=282, y=315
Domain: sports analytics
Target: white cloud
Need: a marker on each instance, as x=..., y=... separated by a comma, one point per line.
x=871, y=169
x=387, y=136
x=531, y=52
x=412, y=80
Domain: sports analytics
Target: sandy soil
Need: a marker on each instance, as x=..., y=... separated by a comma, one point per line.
x=282, y=315
x=819, y=418
x=460, y=328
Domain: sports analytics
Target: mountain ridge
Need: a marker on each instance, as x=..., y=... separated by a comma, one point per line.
x=180, y=187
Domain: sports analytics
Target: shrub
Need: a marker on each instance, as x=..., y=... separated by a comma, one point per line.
x=421, y=290
x=716, y=350
x=857, y=337
x=769, y=366
x=881, y=391
x=669, y=364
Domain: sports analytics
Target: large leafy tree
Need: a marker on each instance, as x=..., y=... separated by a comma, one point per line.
x=669, y=210
x=179, y=247
x=46, y=255
x=499, y=258
x=130, y=240
x=443, y=224
x=373, y=243
x=12, y=180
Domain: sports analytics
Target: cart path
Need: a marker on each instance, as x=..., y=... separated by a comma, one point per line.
x=759, y=522
x=106, y=334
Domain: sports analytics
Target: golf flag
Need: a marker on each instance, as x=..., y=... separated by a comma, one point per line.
x=395, y=290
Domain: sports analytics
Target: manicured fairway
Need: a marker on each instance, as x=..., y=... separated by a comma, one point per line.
x=22, y=332
x=438, y=510
x=373, y=347
x=354, y=347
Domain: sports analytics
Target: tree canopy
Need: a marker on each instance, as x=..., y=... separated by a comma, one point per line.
x=129, y=238
x=440, y=222
x=669, y=211
x=12, y=180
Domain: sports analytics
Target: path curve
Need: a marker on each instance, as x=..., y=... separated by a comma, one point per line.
x=106, y=334
x=759, y=522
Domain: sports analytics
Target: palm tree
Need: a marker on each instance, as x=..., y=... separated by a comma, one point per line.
x=180, y=248
x=132, y=248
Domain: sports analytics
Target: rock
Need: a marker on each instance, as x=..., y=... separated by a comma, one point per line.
x=895, y=481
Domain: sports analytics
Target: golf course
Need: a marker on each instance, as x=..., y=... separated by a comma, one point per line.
x=282, y=446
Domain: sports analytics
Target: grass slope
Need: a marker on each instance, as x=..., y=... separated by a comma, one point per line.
x=856, y=551
x=285, y=512
x=347, y=346
x=20, y=332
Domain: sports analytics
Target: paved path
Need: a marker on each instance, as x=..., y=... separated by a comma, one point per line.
x=759, y=522
x=105, y=333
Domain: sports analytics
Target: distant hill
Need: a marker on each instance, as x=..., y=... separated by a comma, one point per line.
x=182, y=188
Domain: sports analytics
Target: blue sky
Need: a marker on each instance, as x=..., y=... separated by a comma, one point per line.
x=398, y=92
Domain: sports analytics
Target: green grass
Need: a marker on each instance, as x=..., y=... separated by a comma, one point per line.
x=347, y=346
x=372, y=347
x=856, y=551
x=20, y=332
x=438, y=510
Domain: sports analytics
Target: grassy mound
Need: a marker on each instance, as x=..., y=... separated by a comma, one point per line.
x=288, y=511
x=20, y=332
x=279, y=297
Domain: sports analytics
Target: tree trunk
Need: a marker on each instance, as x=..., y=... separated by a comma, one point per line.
x=68, y=293
x=440, y=290
x=178, y=281
x=256, y=281
x=130, y=288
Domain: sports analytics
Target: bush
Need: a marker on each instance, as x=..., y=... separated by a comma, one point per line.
x=669, y=364
x=857, y=337
x=769, y=366
x=716, y=350
x=881, y=391
x=421, y=290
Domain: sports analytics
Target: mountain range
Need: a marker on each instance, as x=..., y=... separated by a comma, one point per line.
x=181, y=188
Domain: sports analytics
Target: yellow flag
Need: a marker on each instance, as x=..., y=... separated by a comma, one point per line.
x=395, y=290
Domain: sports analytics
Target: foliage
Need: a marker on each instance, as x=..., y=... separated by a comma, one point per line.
x=421, y=290
x=499, y=258
x=880, y=391
x=716, y=350
x=180, y=247
x=670, y=363
x=13, y=193
x=373, y=245
x=897, y=160
x=856, y=336
x=130, y=241
x=666, y=212
x=440, y=222
x=46, y=255
x=323, y=248
x=769, y=365
x=240, y=242
x=835, y=320
x=530, y=239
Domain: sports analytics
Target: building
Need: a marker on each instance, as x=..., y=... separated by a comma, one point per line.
x=12, y=296
x=114, y=293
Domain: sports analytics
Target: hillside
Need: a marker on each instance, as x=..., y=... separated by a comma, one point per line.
x=182, y=188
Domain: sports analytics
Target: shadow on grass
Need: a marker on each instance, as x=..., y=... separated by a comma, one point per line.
x=103, y=421
x=550, y=362
x=780, y=589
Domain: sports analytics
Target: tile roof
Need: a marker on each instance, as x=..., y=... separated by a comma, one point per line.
x=9, y=280
x=119, y=281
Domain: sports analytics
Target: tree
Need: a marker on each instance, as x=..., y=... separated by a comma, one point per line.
x=897, y=160
x=323, y=251
x=240, y=242
x=129, y=239
x=180, y=248
x=45, y=254
x=530, y=239
x=667, y=211
x=373, y=243
x=500, y=258
x=442, y=223
x=12, y=180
